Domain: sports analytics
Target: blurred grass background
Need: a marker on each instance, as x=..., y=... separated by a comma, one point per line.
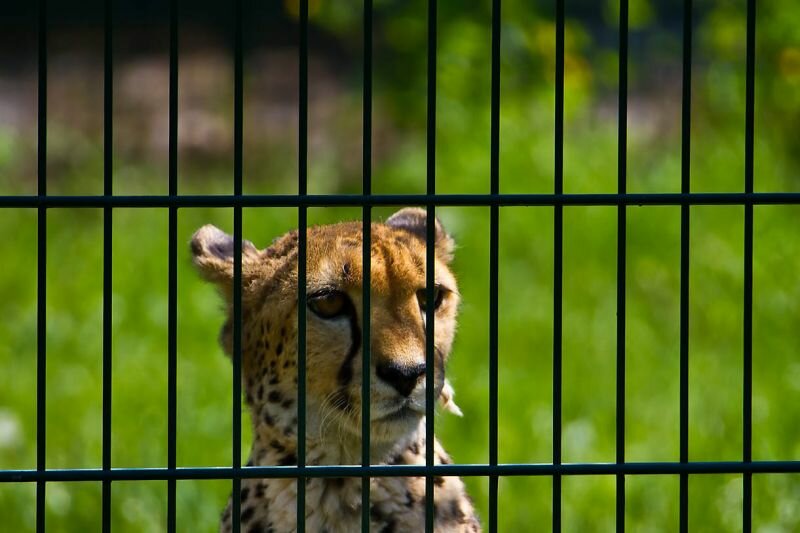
x=139, y=418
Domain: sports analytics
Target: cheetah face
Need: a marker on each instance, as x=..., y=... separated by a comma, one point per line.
x=335, y=325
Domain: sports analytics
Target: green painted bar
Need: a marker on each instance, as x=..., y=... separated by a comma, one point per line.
x=622, y=223
x=481, y=470
x=172, y=276
x=41, y=268
x=366, y=261
x=429, y=264
x=359, y=200
x=686, y=135
x=302, y=223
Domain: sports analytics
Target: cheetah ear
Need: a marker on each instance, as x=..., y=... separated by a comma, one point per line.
x=212, y=250
x=415, y=221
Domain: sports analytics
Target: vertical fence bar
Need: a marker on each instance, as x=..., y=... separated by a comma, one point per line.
x=558, y=259
x=302, y=226
x=430, y=346
x=237, y=266
x=494, y=223
x=41, y=269
x=108, y=93
x=622, y=223
x=172, y=266
x=686, y=113
x=747, y=374
x=366, y=261
x=430, y=264
x=236, y=459
x=366, y=257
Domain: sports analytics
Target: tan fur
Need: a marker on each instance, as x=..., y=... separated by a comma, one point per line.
x=333, y=385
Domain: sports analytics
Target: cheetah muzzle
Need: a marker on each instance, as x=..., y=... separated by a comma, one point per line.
x=333, y=360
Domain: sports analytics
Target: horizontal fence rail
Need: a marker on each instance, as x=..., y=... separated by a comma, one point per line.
x=480, y=470
x=429, y=200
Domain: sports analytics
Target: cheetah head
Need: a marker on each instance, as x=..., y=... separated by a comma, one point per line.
x=334, y=327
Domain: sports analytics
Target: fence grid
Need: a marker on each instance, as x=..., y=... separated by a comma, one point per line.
x=493, y=470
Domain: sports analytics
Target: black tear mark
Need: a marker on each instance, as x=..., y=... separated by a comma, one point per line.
x=346, y=370
x=279, y=349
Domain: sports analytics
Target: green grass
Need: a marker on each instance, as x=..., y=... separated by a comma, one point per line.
x=139, y=419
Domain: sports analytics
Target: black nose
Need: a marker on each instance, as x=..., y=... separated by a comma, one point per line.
x=402, y=377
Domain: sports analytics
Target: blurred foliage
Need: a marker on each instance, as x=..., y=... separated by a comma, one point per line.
x=591, y=41
x=74, y=264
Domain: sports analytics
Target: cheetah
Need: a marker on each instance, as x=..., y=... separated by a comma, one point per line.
x=333, y=385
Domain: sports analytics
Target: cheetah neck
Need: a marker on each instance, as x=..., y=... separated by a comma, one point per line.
x=334, y=504
x=273, y=445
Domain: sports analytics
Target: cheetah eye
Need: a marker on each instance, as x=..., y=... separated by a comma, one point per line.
x=328, y=304
x=438, y=296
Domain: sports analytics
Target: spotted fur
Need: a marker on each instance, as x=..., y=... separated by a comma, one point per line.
x=333, y=386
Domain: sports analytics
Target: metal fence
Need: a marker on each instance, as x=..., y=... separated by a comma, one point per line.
x=747, y=198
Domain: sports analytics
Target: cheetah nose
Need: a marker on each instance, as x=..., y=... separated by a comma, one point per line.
x=402, y=377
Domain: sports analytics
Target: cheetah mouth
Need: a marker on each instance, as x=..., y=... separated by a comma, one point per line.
x=407, y=410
